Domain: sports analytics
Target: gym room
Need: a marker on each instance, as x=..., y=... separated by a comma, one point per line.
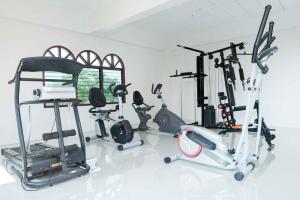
x=149, y=99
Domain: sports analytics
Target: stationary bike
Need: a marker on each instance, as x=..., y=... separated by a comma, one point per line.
x=167, y=120
x=203, y=146
x=121, y=131
x=141, y=108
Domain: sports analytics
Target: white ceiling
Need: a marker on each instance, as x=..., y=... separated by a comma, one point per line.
x=204, y=21
x=85, y=16
x=158, y=24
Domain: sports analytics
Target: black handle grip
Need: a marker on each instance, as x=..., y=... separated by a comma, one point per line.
x=268, y=52
x=11, y=81
x=242, y=76
x=260, y=32
x=152, y=89
x=270, y=36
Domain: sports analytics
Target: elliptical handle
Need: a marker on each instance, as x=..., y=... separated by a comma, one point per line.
x=267, y=53
x=270, y=36
x=259, y=36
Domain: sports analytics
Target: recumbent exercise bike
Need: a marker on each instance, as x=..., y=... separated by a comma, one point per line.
x=141, y=108
x=121, y=132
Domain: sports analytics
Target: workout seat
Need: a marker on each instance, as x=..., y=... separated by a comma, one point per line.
x=98, y=100
x=138, y=100
x=141, y=108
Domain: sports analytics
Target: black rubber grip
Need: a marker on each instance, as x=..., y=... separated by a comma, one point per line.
x=260, y=32
x=54, y=135
x=239, y=108
x=241, y=72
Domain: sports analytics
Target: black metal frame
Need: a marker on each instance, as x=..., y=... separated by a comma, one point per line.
x=66, y=173
x=225, y=68
x=200, y=75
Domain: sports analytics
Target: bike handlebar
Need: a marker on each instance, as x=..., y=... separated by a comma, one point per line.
x=157, y=88
x=117, y=88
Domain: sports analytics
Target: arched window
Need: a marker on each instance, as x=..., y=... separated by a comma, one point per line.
x=58, y=52
x=113, y=71
x=96, y=73
x=89, y=76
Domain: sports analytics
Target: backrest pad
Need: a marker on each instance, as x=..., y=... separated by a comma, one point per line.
x=138, y=98
x=96, y=97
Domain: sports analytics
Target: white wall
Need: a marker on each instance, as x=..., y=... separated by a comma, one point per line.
x=144, y=66
x=281, y=85
x=18, y=40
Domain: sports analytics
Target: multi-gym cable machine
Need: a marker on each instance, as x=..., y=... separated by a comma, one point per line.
x=208, y=118
x=208, y=114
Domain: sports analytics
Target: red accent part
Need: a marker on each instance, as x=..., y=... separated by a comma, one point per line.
x=190, y=155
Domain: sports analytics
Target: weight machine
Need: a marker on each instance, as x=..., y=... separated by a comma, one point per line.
x=204, y=146
x=208, y=116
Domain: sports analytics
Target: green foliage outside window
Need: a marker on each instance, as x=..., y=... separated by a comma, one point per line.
x=108, y=95
x=87, y=79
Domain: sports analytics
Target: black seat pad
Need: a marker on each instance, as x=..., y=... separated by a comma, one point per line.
x=97, y=98
x=137, y=98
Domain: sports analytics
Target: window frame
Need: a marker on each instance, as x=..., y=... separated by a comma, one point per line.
x=89, y=65
x=112, y=67
x=70, y=53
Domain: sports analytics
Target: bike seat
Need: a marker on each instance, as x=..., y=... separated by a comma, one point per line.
x=138, y=100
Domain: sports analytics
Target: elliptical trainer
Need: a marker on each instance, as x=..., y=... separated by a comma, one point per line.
x=204, y=146
x=167, y=120
x=121, y=132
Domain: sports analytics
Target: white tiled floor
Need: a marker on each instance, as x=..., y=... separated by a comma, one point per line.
x=140, y=173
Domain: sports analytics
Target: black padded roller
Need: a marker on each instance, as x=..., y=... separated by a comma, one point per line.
x=54, y=135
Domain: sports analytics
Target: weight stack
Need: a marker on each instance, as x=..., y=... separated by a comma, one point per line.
x=209, y=116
